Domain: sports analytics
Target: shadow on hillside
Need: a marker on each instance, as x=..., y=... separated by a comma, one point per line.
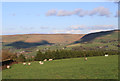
x=92, y=36
x=21, y=44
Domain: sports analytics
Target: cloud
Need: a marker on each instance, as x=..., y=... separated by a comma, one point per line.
x=64, y=13
x=51, y=12
x=94, y=27
x=59, y=31
x=102, y=27
x=67, y=31
x=80, y=12
x=75, y=27
x=100, y=11
x=74, y=31
x=92, y=31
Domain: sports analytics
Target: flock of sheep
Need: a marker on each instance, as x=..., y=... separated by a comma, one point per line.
x=40, y=62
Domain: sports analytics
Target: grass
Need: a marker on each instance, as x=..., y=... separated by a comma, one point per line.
x=99, y=67
x=98, y=42
x=95, y=44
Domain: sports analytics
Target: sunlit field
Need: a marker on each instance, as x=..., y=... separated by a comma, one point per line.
x=99, y=67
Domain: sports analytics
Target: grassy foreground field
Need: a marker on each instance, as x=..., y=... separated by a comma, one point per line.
x=99, y=67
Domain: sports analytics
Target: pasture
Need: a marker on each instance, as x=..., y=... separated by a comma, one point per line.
x=99, y=67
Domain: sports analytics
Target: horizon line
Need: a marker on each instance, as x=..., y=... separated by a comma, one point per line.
x=56, y=33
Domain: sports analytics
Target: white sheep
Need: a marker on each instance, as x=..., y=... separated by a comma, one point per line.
x=24, y=63
x=106, y=55
x=8, y=66
x=45, y=60
x=50, y=59
x=85, y=58
x=29, y=63
x=41, y=63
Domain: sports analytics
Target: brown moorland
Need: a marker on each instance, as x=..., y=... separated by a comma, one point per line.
x=51, y=38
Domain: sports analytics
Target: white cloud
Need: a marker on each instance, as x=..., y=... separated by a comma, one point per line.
x=94, y=27
x=100, y=11
x=101, y=27
x=51, y=12
x=75, y=27
x=92, y=31
x=64, y=13
x=67, y=31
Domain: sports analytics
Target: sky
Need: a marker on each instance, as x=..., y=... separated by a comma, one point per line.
x=58, y=17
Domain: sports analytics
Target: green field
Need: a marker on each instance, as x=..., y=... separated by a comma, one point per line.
x=99, y=67
x=101, y=41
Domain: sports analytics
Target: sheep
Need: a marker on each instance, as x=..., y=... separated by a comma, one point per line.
x=41, y=63
x=85, y=58
x=106, y=55
x=50, y=59
x=24, y=63
x=29, y=63
x=45, y=60
x=8, y=66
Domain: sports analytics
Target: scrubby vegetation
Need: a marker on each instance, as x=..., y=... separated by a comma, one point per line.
x=6, y=54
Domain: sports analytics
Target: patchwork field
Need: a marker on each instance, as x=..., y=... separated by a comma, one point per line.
x=99, y=67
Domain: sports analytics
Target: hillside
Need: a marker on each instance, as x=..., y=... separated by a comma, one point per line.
x=105, y=35
x=98, y=40
x=33, y=42
x=105, y=40
x=33, y=38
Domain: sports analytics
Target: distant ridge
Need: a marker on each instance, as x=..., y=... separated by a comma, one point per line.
x=36, y=38
x=91, y=36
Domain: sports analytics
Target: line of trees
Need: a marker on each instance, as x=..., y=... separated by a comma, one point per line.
x=62, y=54
x=58, y=54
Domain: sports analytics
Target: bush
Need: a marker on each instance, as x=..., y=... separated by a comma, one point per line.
x=6, y=54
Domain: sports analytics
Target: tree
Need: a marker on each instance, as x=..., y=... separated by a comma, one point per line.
x=39, y=56
x=21, y=58
x=14, y=57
